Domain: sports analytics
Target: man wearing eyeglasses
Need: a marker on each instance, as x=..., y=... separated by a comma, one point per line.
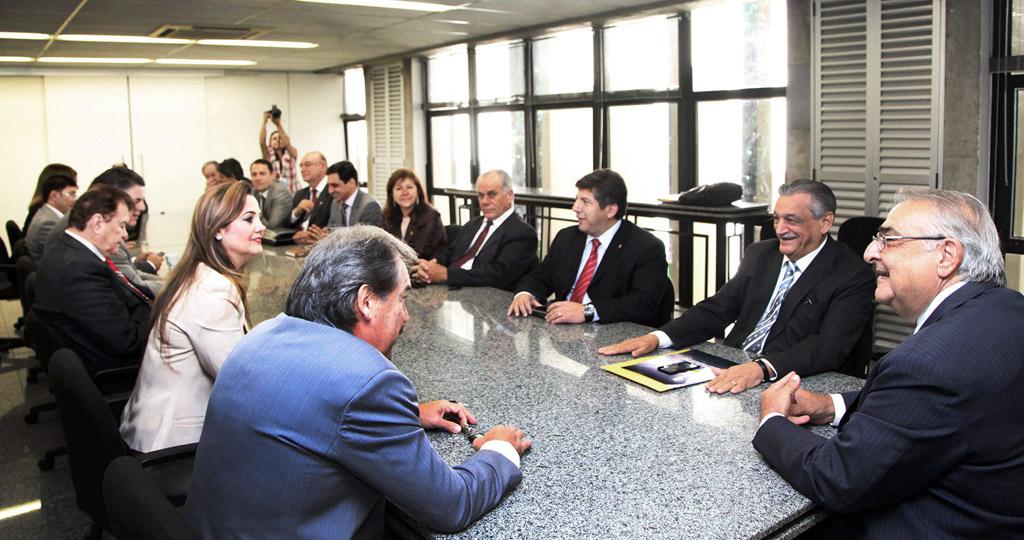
x=932, y=445
x=798, y=303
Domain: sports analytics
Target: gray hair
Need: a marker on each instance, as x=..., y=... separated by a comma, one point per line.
x=506, y=180
x=823, y=200
x=963, y=217
x=325, y=289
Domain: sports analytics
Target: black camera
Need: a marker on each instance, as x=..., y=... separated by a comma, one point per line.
x=274, y=111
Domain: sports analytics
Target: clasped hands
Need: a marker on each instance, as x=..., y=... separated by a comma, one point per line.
x=311, y=235
x=799, y=406
x=429, y=272
x=432, y=417
x=561, y=312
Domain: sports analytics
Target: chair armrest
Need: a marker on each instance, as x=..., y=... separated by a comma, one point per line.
x=166, y=455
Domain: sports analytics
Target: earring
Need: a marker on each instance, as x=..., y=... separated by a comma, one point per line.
x=218, y=236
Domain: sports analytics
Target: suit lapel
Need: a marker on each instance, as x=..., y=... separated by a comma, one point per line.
x=819, y=268
x=611, y=253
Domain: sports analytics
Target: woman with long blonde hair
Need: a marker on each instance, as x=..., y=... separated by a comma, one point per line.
x=196, y=320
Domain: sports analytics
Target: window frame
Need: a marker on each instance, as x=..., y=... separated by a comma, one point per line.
x=599, y=100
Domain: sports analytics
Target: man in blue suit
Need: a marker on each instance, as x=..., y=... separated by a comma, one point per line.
x=310, y=427
x=932, y=445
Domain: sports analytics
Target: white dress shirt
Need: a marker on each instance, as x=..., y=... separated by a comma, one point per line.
x=468, y=265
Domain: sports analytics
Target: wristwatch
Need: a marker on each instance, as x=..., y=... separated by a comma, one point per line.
x=589, y=312
x=767, y=375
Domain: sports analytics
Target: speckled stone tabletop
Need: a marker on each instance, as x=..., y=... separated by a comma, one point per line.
x=611, y=459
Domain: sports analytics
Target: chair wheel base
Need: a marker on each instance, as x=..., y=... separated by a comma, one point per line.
x=45, y=464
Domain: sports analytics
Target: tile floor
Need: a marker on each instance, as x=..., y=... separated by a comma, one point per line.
x=21, y=446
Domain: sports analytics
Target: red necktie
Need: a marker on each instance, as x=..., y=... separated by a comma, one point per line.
x=142, y=296
x=475, y=247
x=580, y=289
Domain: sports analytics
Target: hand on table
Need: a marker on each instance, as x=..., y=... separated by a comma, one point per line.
x=522, y=305
x=796, y=404
x=432, y=415
x=637, y=346
x=565, y=312
x=430, y=272
x=508, y=434
x=310, y=236
x=154, y=259
x=735, y=379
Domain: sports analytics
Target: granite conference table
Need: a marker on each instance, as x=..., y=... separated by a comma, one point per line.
x=611, y=459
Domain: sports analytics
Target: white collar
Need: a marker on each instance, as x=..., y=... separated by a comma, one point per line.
x=87, y=244
x=351, y=200
x=501, y=219
x=54, y=210
x=939, y=298
x=606, y=237
x=802, y=263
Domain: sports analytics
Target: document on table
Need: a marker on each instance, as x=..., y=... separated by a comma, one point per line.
x=672, y=370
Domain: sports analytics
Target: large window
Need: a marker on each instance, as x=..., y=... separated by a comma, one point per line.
x=670, y=101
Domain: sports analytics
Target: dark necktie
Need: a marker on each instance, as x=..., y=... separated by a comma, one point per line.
x=475, y=247
x=344, y=214
x=580, y=289
x=124, y=279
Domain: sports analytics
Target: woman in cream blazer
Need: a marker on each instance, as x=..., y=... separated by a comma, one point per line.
x=197, y=319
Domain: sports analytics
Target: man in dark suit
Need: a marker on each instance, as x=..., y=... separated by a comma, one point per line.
x=307, y=200
x=320, y=461
x=606, y=270
x=932, y=445
x=493, y=249
x=349, y=205
x=799, y=302
x=273, y=197
x=59, y=194
x=80, y=291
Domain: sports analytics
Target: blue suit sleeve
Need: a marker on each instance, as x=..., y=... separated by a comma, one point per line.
x=383, y=444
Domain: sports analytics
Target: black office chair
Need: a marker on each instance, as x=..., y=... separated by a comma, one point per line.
x=93, y=441
x=14, y=232
x=858, y=232
x=451, y=232
x=137, y=509
x=9, y=290
x=18, y=248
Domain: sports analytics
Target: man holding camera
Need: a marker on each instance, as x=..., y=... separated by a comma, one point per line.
x=279, y=152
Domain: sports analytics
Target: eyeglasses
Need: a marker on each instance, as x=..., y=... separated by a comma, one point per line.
x=883, y=240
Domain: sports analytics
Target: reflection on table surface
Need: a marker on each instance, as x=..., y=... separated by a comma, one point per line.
x=610, y=458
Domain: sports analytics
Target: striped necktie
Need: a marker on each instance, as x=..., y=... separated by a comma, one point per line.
x=124, y=279
x=580, y=289
x=755, y=341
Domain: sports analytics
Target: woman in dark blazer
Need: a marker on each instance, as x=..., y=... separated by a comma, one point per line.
x=409, y=217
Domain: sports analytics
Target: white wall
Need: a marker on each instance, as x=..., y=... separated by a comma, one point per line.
x=23, y=153
x=164, y=124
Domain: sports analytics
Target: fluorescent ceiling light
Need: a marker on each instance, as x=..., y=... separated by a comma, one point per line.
x=88, y=60
x=124, y=39
x=19, y=509
x=451, y=21
x=258, y=43
x=23, y=35
x=16, y=59
x=388, y=4
x=197, y=62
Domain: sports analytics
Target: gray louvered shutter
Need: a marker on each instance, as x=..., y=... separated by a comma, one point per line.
x=877, y=109
x=387, y=116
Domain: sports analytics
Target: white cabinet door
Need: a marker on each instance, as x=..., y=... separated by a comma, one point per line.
x=168, y=118
x=87, y=123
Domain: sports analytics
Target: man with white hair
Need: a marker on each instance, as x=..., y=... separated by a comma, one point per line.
x=932, y=445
